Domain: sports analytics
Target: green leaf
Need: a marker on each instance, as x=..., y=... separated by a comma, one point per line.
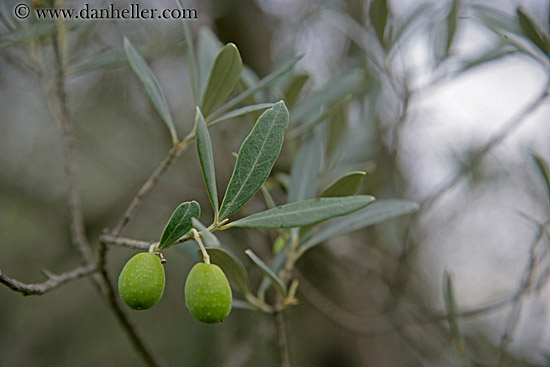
x=207, y=237
x=269, y=202
x=241, y=111
x=496, y=19
x=277, y=264
x=191, y=59
x=256, y=157
x=403, y=25
x=267, y=272
x=451, y=25
x=378, y=16
x=357, y=33
x=231, y=266
x=534, y=31
x=544, y=172
x=190, y=249
x=493, y=54
x=265, y=82
x=294, y=89
x=304, y=213
x=151, y=86
x=32, y=31
x=378, y=212
x=102, y=60
x=345, y=186
x=335, y=91
x=457, y=336
x=329, y=114
x=208, y=46
x=305, y=170
x=180, y=223
x=223, y=78
x=206, y=159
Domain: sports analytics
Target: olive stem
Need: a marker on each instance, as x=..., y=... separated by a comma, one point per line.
x=197, y=237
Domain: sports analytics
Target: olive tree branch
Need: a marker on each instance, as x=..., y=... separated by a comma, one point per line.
x=109, y=239
x=505, y=131
x=381, y=325
x=53, y=281
x=283, y=342
x=78, y=234
x=58, y=101
x=150, y=183
x=123, y=320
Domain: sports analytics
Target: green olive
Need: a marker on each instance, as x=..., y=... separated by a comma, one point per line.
x=207, y=293
x=141, y=281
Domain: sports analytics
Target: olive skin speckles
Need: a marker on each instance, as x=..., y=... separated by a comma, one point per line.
x=207, y=293
x=141, y=281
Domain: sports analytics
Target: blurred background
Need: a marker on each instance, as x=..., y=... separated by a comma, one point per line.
x=440, y=102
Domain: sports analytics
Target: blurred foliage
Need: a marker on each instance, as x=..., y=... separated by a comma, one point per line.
x=368, y=68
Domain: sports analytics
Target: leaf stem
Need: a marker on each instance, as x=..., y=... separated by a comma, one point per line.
x=197, y=237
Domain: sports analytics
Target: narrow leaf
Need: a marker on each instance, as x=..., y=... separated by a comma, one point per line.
x=223, y=78
x=277, y=263
x=190, y=249
x=256, y=157
x=304, y=213
x=544, y=172
x=311, y=124
x=452, y=316
x=267, y=272
x=493, y=54
x=191, y=58
x=378, y=16
x=151, y=86
x=31, y=31
x=265, y=82
x=180, y=223
x=208, y=237
x=294, y=89
x=231, y=266
x=335, y=91
x=103, y=60
x=206, y=159
x=208, y=46
x=241, y=111
x=419, y=12
x=452, y=20
x=378, y=212
x=345, y=186
x=305, y=170
x=534, y=32
x=496, y=19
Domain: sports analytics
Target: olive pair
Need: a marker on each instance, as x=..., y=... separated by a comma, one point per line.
x=207, y=292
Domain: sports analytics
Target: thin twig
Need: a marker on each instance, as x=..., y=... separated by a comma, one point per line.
x=283, y=342
x=59, y=104
x=144, y=190
x=53, y=281
x=348, y=321
x=78, y=235
x=109, y=239
x=515, y=313
x=124, y=322
x=509, y=127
